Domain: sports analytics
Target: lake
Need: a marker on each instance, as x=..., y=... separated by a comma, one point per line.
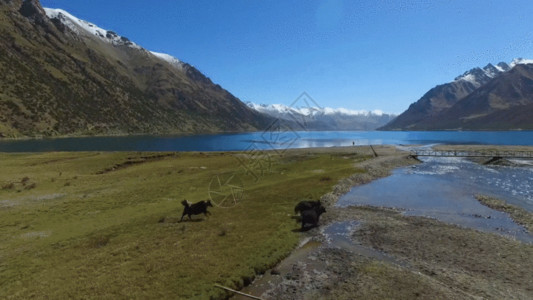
x=271, y=139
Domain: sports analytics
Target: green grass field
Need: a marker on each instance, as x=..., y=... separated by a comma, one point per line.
x=106, y=225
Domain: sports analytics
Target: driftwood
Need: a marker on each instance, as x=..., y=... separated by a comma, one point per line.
x=237, y=292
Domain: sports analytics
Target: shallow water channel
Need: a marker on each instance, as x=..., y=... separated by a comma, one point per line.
x=445, y=189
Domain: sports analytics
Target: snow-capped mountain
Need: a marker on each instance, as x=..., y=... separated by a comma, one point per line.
x=72, y=77
x=494, y=97
x=480, y=76
x=318, y=118
x=88, y=29
x=310, y=111
x=82, y=27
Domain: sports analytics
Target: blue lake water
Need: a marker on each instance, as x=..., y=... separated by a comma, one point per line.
x=281, y=139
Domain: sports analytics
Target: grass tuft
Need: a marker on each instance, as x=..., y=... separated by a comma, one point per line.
x=8, y=186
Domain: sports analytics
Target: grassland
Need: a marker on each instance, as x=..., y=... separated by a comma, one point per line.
x=106, y=225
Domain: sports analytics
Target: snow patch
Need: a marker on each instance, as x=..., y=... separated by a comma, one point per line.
x=470, y=78
x=479, y=76
x=520, y=61
x=80, y=26
x=499, y=68
x=169, y=58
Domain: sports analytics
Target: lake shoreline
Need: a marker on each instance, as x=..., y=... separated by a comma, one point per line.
x=5, y=137
x=278, y=140
x=389, y=255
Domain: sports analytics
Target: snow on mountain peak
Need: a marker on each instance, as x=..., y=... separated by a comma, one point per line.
x=478, y=76
x=468, y=77
x=78, y=26
x=520, y=61
x=82, y=27
x=491, y=71
x=309, y=111
x=502, y=67
x=169, y=58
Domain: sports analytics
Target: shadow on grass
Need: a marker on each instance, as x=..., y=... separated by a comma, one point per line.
x=305, y=229
x=178, y=220
x=192, y=220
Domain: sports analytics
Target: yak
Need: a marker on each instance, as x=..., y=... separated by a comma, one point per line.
x=305, y=205
x=312, y=215
x=195, y=208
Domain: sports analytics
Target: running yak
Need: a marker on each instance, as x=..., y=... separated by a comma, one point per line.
x=195, y=208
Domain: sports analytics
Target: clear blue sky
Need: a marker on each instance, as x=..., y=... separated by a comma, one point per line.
x=369, y=54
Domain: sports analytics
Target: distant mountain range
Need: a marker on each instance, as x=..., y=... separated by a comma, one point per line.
x=317, y=118
x=496, y=97
x=60, y=75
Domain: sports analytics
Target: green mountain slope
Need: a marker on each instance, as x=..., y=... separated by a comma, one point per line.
x=54, y=81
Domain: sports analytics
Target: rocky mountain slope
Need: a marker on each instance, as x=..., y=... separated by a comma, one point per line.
x=63, y=76
x=493, y=98
x=326, y=118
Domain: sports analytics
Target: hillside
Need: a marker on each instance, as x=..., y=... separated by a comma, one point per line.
x=502, y=104
x=58, y=77
x=493, y=98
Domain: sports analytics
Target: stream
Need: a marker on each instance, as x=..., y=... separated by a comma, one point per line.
x=445, y=189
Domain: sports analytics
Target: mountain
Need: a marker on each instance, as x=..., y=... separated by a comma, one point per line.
x=60, y=75
x=316, y=118
x=491, y=98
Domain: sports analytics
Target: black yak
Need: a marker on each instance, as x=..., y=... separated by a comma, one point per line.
x=305, y=205
x=311, y=215
x=195, y=209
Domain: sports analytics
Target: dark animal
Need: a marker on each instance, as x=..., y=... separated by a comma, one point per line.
x=311, y=216
x=195, y=209
x=305, y=205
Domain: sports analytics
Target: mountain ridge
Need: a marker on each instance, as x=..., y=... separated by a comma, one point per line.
x=326, y=118
x=467, y=102
x=56, y=82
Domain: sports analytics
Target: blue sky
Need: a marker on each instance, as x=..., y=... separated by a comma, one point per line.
x=380, y=54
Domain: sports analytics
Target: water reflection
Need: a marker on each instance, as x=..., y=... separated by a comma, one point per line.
x=265, y=140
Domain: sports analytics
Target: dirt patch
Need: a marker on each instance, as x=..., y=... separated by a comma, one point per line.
x=64, y=159
x=397, y=257
x=481, y=264
x=132, y=161
x=7, y=203
x=36, y=235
